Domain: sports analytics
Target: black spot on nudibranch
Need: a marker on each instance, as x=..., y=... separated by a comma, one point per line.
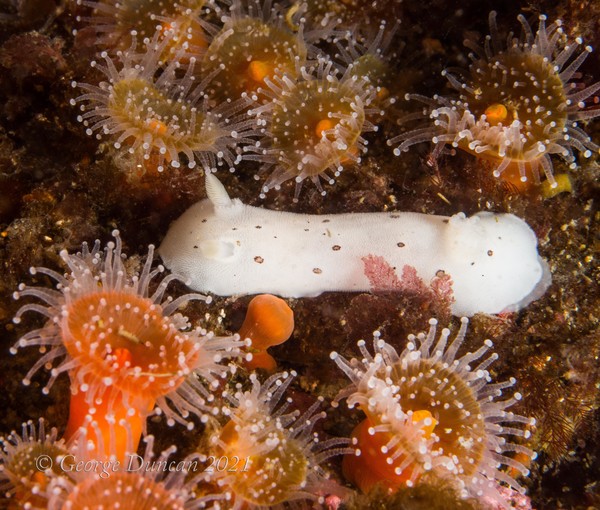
x=195, y=247
x=394, y=216
x=204, y=220
x=336, y=247
x=490, y=253
x=258, y=226
x=400, y=245
x=326, y=221
x=317, y=270
x=258, y=259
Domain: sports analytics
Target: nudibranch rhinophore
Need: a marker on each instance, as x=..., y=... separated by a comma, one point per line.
x=223, y=246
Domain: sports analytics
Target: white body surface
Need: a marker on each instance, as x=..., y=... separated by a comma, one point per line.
x=225, y=247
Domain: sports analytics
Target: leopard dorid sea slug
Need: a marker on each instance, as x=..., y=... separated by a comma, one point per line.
x=519, y=105
x=429, y=411
x=125, y=347
x=226, y=247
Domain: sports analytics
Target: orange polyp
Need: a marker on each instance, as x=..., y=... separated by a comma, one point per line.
x=370, y=468
x=324, y=125
x=128, y=331
x=122, y=357
x=40, y=479
x=496, y=113
x=157, y=127
x=421, y=415
x=127, y=336
x=258, y=70
x=269, y=321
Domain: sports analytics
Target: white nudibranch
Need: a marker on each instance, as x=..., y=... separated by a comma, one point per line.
x=223, y=246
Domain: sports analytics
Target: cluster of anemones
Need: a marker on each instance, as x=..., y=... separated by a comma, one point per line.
x=129, y=352
x=216, y=86
x=39, y=472
x=126, y=348
x=186, y=98
x=518, y=107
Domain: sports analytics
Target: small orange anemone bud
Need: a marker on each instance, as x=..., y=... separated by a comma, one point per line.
x=269, y=321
